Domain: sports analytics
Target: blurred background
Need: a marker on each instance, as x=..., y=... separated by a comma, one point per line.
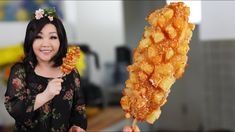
x=107, y=32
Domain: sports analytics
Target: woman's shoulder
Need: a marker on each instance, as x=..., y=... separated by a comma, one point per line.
x=18, y=69
x=73, y=74
x=17, y=66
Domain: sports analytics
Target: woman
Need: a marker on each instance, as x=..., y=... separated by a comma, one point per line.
x=39, y=97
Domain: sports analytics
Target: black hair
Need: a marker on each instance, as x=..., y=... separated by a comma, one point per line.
x=32, y=30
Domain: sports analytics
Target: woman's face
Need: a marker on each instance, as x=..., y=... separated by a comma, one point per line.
x=46, y=43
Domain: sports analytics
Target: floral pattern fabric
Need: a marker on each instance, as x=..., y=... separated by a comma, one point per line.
x=57, y=115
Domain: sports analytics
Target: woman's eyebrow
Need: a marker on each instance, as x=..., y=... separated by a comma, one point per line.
x=53, y=33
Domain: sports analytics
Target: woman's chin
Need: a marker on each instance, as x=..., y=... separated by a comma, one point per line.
x=44, y=59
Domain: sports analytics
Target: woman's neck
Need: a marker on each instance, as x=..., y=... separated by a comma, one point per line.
x=45, y=66
x=47, y=70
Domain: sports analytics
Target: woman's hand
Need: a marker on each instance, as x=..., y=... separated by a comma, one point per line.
x=53, y=88
x=76, y=129
x=127, y=129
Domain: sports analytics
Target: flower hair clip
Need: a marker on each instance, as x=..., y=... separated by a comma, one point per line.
x=50, y=13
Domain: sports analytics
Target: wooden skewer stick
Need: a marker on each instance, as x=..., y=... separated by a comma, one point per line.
x=134, y=123
x=134, y=126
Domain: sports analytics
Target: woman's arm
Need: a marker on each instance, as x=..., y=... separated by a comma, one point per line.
x=19, y=100
x=78, y=114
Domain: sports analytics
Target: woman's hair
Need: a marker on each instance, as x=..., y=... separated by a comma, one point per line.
x=33, y=28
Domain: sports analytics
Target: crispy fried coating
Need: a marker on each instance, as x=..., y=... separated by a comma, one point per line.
x=69, y=62
x=159, y=59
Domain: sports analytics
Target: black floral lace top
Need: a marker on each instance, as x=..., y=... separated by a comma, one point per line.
x=58, y=115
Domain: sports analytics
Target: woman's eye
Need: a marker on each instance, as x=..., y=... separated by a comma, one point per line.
x=38, y=37
x=54, y=37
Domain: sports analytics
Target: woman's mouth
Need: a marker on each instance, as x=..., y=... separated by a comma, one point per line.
x=46, y=51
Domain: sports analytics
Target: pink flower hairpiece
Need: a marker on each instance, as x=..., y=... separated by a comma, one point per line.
x=50, y=13
x=39, y=13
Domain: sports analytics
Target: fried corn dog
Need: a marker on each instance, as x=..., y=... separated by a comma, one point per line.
x=159, y=59
x=69, y=62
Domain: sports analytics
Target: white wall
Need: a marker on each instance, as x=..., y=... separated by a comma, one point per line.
x=218, y=20
x=12, y=33
x=99, y=24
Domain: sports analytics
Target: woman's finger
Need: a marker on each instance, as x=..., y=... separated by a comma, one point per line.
x=127, y=129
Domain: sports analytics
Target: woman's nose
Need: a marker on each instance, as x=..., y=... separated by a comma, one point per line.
x=45, y=42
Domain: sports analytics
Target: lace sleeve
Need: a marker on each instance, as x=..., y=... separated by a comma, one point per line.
x=18, y=101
